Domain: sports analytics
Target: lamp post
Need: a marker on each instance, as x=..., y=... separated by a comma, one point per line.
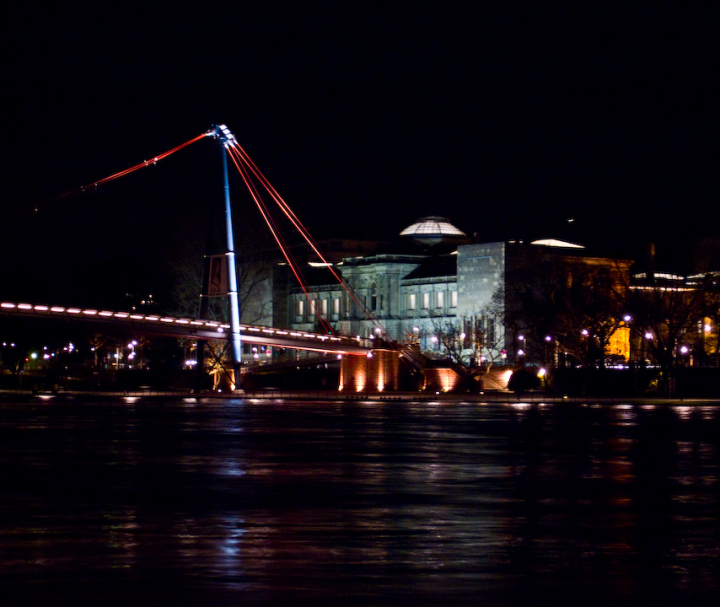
x=548, y=339
x=521, y=348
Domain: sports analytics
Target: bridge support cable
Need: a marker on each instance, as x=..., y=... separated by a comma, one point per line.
x=242, y=158
x=229, y=145
x=142, y=165
x=284, y=249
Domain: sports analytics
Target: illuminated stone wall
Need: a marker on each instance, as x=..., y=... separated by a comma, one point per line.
x=376, y=373
x=441, y=380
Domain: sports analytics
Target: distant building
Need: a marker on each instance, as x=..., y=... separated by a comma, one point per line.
x=429, y=283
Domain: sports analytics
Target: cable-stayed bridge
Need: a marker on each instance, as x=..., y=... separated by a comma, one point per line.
x=170, y=326
x=382, y=371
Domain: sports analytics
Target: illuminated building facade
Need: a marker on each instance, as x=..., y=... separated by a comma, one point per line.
x=433, y=282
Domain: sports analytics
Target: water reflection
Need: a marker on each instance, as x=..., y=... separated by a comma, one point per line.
x=213, y=502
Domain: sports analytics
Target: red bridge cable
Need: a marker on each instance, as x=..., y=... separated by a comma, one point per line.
x=245, y=160
x=306, y=235
x=322, y=321
x=278, y=238
x=132, y=169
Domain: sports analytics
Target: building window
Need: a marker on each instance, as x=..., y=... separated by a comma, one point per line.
x=453, y=299
x=324, y=306
x=373, y=297
x=411, y=302
x=440, y=300
x=336, y=305
x=300, y=311
x=426, y=301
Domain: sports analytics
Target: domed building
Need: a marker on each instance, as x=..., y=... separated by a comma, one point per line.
x=432, y=279
x=433, y=231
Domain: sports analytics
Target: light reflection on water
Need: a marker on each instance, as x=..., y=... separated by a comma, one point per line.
x=203, y=501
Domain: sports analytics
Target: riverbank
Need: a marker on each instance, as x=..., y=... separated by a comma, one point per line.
x=495, y=396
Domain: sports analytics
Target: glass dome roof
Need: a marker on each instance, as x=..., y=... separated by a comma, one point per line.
x=432, y=227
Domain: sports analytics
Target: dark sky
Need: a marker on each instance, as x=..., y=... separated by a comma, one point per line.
x=509, y=120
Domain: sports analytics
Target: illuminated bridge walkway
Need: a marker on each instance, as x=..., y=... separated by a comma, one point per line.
x=190, y=328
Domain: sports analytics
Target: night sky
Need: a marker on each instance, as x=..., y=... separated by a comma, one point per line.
x=508, y=120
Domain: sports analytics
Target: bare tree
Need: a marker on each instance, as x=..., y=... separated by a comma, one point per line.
x=573, y=304
x=666, y=317
x=254, y=273
x=475, y=341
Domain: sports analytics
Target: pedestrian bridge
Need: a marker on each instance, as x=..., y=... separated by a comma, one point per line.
x=366, y=368
x=190, y=328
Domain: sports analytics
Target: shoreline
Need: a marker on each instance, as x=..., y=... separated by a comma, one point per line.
x=488, y=397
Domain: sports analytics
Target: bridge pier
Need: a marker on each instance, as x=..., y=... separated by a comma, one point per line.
x=375, y=372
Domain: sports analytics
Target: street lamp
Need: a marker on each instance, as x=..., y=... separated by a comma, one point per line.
x=548, y=339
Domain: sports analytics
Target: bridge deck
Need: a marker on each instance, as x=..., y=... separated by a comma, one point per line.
x=191, y=328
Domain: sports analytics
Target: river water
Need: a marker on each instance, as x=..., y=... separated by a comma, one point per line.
x=132, y=501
